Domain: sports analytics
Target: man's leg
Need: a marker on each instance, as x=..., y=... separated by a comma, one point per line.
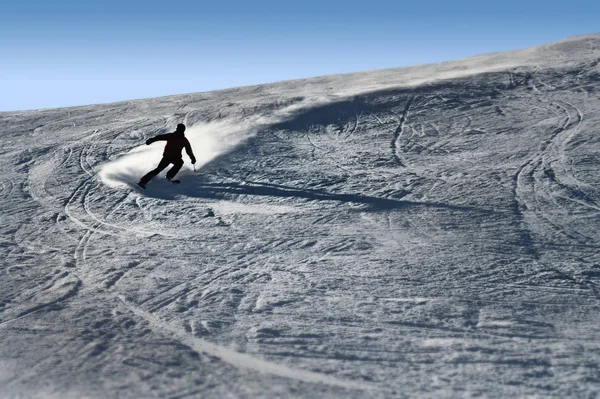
x=177, y=164
x=161, y=165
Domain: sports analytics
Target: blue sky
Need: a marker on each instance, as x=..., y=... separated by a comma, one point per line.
x=61, y=53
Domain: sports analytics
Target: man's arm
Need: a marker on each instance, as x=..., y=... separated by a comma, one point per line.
x=157, y=138
x=188, y=149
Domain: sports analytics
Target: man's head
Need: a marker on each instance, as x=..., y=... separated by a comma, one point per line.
x=180, y=128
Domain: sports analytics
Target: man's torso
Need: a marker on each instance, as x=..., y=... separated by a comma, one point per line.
x=175, y=144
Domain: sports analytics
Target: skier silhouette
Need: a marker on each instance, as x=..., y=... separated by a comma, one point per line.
x=176, y=142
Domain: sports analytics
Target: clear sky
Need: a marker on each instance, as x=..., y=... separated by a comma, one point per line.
x=61, y=53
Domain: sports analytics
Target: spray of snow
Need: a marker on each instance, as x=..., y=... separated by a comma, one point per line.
x=208, y=141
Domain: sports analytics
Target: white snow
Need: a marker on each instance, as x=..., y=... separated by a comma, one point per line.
x=429, y=231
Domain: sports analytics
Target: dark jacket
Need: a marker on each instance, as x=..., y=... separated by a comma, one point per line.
x=175, y=143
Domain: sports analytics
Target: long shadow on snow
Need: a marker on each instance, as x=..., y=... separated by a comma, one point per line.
x=212, y=190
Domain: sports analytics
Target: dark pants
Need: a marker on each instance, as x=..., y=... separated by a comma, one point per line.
x=166, y=161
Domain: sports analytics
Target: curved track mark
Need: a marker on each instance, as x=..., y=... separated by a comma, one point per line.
x=242, y=360
x=398, y=132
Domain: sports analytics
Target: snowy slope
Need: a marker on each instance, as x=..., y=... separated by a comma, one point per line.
x=428, y=231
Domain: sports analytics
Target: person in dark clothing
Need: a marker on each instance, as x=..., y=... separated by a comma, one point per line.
x=176, y=142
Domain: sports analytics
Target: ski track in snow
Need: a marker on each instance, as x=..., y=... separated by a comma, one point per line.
x=425, y=232
x=241, y=360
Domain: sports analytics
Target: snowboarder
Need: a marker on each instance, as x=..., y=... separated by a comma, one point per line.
x=176, y=142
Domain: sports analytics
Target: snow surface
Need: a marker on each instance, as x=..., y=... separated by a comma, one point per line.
x=429, y=231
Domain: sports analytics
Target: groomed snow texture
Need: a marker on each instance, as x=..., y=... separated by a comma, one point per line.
x=431, y=231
